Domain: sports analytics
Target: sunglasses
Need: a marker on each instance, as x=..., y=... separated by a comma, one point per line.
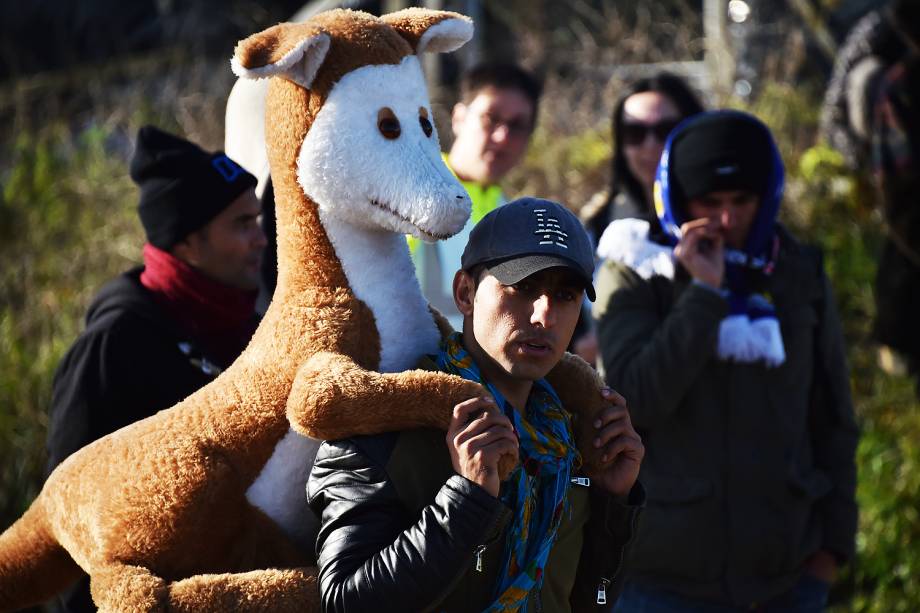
x=635, y=133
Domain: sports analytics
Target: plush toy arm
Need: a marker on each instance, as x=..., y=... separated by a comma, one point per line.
x=579, y=388
x=333, y=398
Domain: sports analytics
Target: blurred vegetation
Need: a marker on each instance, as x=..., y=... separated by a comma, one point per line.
x=68, y=223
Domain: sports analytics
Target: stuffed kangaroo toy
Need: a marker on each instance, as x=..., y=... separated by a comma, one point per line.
x=187, y=510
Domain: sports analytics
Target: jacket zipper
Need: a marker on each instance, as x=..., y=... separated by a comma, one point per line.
x=479, y=550
x=605, y=582
x=478, y=554
x=602, y=590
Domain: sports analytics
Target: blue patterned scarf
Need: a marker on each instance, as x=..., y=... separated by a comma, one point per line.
x=536, y=491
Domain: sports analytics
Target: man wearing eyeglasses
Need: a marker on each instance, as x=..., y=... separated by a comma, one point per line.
x=492, y=125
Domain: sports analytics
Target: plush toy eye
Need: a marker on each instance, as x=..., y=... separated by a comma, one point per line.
x=424, y=122
x=388, y=124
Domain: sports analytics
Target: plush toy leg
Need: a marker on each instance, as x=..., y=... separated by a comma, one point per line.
x=332, y=398
x=33, y=566
x=124, y=587
x=578, y=386
x=260, y=590
x=260, y=544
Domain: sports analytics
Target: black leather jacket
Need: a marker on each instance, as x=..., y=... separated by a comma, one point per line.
x=401, y=531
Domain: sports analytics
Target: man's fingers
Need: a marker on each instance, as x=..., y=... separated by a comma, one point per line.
x=483, y=422
x=465, y=409
x=485, y=437
x=611, y=413
x=613, y=396
x=702, y=225
x=609, y=432
x=626, y=445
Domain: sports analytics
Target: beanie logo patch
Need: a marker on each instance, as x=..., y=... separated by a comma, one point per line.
x=549, y=230
x=726, y=170
x=227, y=168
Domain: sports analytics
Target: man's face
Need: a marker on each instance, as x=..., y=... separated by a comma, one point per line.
x=229, y=248
x=733, y=212
x=490, y=134
x=519, y=332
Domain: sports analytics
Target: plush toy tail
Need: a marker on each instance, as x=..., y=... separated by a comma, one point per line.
x=33, y=565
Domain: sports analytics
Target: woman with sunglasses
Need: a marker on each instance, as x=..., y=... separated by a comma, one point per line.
x=642, y=119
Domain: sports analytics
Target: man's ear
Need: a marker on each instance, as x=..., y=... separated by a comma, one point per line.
x=457, y=116
x=464, y=292
x=187, y=249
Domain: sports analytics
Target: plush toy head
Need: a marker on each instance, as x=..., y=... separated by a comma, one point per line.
x=371, y=156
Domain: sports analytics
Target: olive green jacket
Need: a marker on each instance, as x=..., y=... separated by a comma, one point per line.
x=748, y=469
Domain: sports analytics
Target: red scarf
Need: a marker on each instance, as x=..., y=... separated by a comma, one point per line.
x=218, y=317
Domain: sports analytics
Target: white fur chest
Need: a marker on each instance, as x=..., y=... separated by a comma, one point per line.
x=381, y=275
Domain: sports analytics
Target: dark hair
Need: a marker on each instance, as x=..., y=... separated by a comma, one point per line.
x=677, y=90
x=501, y=75
x=476, y=273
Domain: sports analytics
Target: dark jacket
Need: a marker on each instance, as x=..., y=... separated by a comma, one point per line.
x=401, y=531
x=749, y=469
x=130, y=362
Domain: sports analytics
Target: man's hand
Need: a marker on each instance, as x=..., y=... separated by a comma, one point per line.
x=822, y=565
x=478, y=436
x=700, y=250
x=622, y=447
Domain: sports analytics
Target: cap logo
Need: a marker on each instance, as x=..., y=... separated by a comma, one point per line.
x=227, y=168
x=726, y=170
x=549, y=229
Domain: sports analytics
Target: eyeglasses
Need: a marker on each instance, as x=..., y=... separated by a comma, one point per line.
x=515, y=127
x=635, y=133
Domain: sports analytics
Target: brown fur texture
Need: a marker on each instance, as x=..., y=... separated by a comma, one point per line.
x=156, y=512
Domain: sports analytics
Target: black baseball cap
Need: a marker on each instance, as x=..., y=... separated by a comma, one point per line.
x=526, y=236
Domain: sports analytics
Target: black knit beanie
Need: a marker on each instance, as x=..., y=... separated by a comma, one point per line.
x=719, y=152
x=182, y=186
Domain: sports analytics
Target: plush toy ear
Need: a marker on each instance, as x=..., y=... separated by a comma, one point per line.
x=292, y=51
x=431, y=31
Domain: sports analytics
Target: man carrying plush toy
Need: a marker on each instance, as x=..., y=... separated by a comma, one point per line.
x=491, y=125
x=157, y=333
x=411, y=523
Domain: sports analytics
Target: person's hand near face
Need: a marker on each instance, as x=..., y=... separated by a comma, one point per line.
x=478, y=436
x=701, y=251
x=718, y=220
